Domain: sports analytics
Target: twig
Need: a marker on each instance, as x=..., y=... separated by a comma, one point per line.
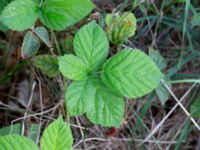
x=40, y=113
x=169, y=113
x=122, y=139
x=180, y=104
x=42, y=109
x=27, y=108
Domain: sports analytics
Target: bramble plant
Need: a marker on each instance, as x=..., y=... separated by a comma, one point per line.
x=99, y=83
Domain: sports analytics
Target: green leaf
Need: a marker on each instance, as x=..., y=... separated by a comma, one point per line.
x=43, y=34
x=67, y=44
x=20, y=15
x=106, y=108
x=16, y=142
x=92, y=97
x=78, y=96
x=131, y=73
x=16, y=129
x=195, y=107
x=122, y=21
x=57, y=136
x=12, y=129
x=34, y=131
x=120, y=27
x=3, y=4
x=30, y=46
x=3, y=27
x=157, y=58
x=72, y=67
x=59, y=14
x=48, y=64
x=109, y=19
x=161, y=91
x=91, y=44
x=196, y=20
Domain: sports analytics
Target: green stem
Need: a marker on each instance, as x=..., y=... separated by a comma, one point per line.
x=56, y=42
x=186, y=81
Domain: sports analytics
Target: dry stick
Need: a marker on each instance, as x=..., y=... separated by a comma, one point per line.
x=182, y=126
x=42, y=114
x=179, y=103
x=175, y=136
x=38, y=114
x=148, y=132
x=170, y=112
x=81, y=130
x=121, y=139
x=151, y=32
x=8, y=107
x=27, y=108
x=41, y=106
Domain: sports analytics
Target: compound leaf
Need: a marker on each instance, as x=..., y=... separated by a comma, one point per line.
x=92, y=97
x=20, y=15
x=131, y=73
x=91, y=44
x=57, y=136
x=59, y=14
x=106, y=108
x=16, y=142
x=30, y=46
x=196, y=20
x=47, y=63
x=72, y=67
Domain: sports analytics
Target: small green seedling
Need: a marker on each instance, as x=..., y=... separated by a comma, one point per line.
x=99, y=85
